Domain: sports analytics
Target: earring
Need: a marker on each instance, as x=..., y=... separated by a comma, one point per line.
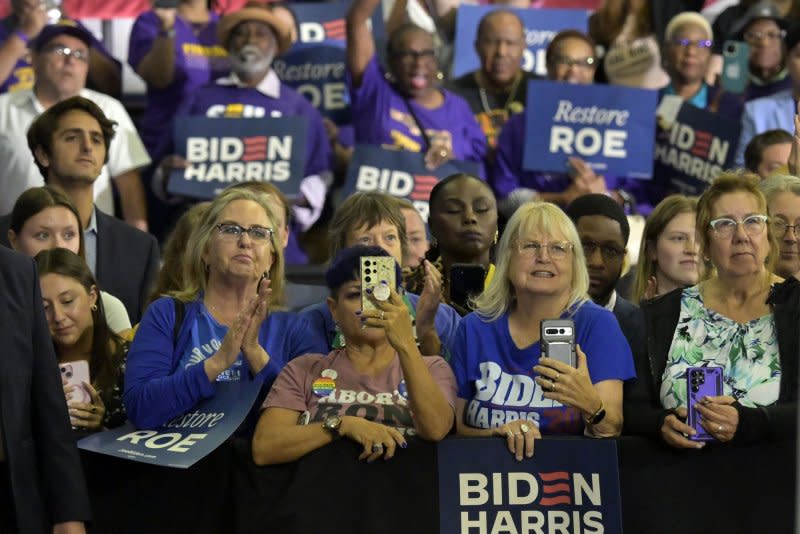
x=388, y=76
x=440, y=76
x=94, y=307
x=496, y=236
x=434, y=243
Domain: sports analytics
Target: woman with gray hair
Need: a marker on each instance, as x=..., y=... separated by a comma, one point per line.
x=219, y=326
x=505, y=387
x=783, y=206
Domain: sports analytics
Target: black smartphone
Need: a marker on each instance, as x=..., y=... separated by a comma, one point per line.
x=466, y=281
x=558, y=340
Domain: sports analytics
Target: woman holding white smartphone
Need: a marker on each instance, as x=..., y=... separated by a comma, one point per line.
x=80, y=334
x=506, y=388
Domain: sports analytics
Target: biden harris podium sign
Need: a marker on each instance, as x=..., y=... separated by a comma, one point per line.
x=226, y=151
x=612, y=128
x=185, y=439
x=569, y=486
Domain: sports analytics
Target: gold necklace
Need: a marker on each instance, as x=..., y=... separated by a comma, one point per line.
x=485, y=101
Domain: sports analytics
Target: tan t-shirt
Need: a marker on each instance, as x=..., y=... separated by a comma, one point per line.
x=328, y=385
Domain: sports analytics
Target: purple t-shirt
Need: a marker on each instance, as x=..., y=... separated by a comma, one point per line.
x=507, y=173
x=217, y=100
x=198, y=61
x=306, y=384
x=381, y=116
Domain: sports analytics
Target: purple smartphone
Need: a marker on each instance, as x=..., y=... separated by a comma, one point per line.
x=701, y=382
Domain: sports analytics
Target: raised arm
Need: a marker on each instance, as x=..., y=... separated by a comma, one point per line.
x=157, y=65
x=32, y=19
x=360, y=44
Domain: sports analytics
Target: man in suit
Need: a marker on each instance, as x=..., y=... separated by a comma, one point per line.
x=70, y=144
x=604, y=231
x=42, y=487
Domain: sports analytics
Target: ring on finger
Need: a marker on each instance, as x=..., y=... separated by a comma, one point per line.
x=443, y=153
x=524, y=428
x=720, y=428
x=94, y=409
x=556, y=377
x=378, y=447
x=382, y=315
x=553, y=386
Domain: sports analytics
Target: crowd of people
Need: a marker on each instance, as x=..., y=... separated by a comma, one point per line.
x=653, y=282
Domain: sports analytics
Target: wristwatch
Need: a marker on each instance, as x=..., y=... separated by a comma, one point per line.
x=597, y=416
x=332, y=424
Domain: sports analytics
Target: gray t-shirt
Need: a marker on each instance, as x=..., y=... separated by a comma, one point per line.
x=329, y=385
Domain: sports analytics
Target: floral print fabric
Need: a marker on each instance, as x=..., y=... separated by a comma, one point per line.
x=747, y=353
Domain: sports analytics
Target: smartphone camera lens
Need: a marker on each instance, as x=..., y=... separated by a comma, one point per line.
x=730, y=49
x=560, y=330
x=368, y=279
x=367, y=262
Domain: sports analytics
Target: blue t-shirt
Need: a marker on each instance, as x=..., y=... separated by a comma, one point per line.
x=162, y=376
x=495, y=377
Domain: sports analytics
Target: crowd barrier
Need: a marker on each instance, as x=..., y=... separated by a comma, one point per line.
x=730, y=489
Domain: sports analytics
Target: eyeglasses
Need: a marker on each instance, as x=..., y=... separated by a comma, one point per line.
x=781, y=228
x=583, y=62
x=65, y=51
x=700, y=44
x=557, y=250
x=753, y=225
x=609, y=252
x=412, y=56
x=234, y=232
x=754, y=36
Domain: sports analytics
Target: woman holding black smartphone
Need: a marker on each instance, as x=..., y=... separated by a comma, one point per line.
x=463, y=224
x=505, y=387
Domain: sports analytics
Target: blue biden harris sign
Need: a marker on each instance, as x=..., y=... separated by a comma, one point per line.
x=569, y=486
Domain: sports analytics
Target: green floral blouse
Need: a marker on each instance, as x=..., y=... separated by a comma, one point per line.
x=747, y=353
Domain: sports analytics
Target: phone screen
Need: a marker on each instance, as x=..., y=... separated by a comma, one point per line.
x=466, y=281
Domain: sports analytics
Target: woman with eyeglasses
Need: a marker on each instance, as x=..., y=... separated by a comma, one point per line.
x=740, y=320
x=687, y=55
x=405, y=108
x=783, y=206
x=505, y=387
x=219, y=326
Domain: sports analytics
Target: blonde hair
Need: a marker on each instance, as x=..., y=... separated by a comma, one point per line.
x=662, y=215
x=739, y=181
x=195, y=276
x=779, y=183
x=547, y=219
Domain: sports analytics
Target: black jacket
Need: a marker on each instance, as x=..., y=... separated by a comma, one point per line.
x=642, y=408
x=45, y=470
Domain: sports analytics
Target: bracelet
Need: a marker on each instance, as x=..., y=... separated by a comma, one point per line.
x=595, y=417
x=22, y=36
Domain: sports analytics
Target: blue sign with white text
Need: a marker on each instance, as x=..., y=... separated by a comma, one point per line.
x=315, y=65
x=612, y=128
x=693, y=150
x=187, y=438
x=541, y=25
x=222, y=152
x=400, y=173
x=570, y=486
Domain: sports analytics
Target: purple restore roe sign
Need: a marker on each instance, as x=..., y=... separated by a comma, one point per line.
x=569, y=486
x=185, y=439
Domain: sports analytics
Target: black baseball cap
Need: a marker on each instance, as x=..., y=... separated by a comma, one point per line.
x=760, y=10
x=63, y=26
